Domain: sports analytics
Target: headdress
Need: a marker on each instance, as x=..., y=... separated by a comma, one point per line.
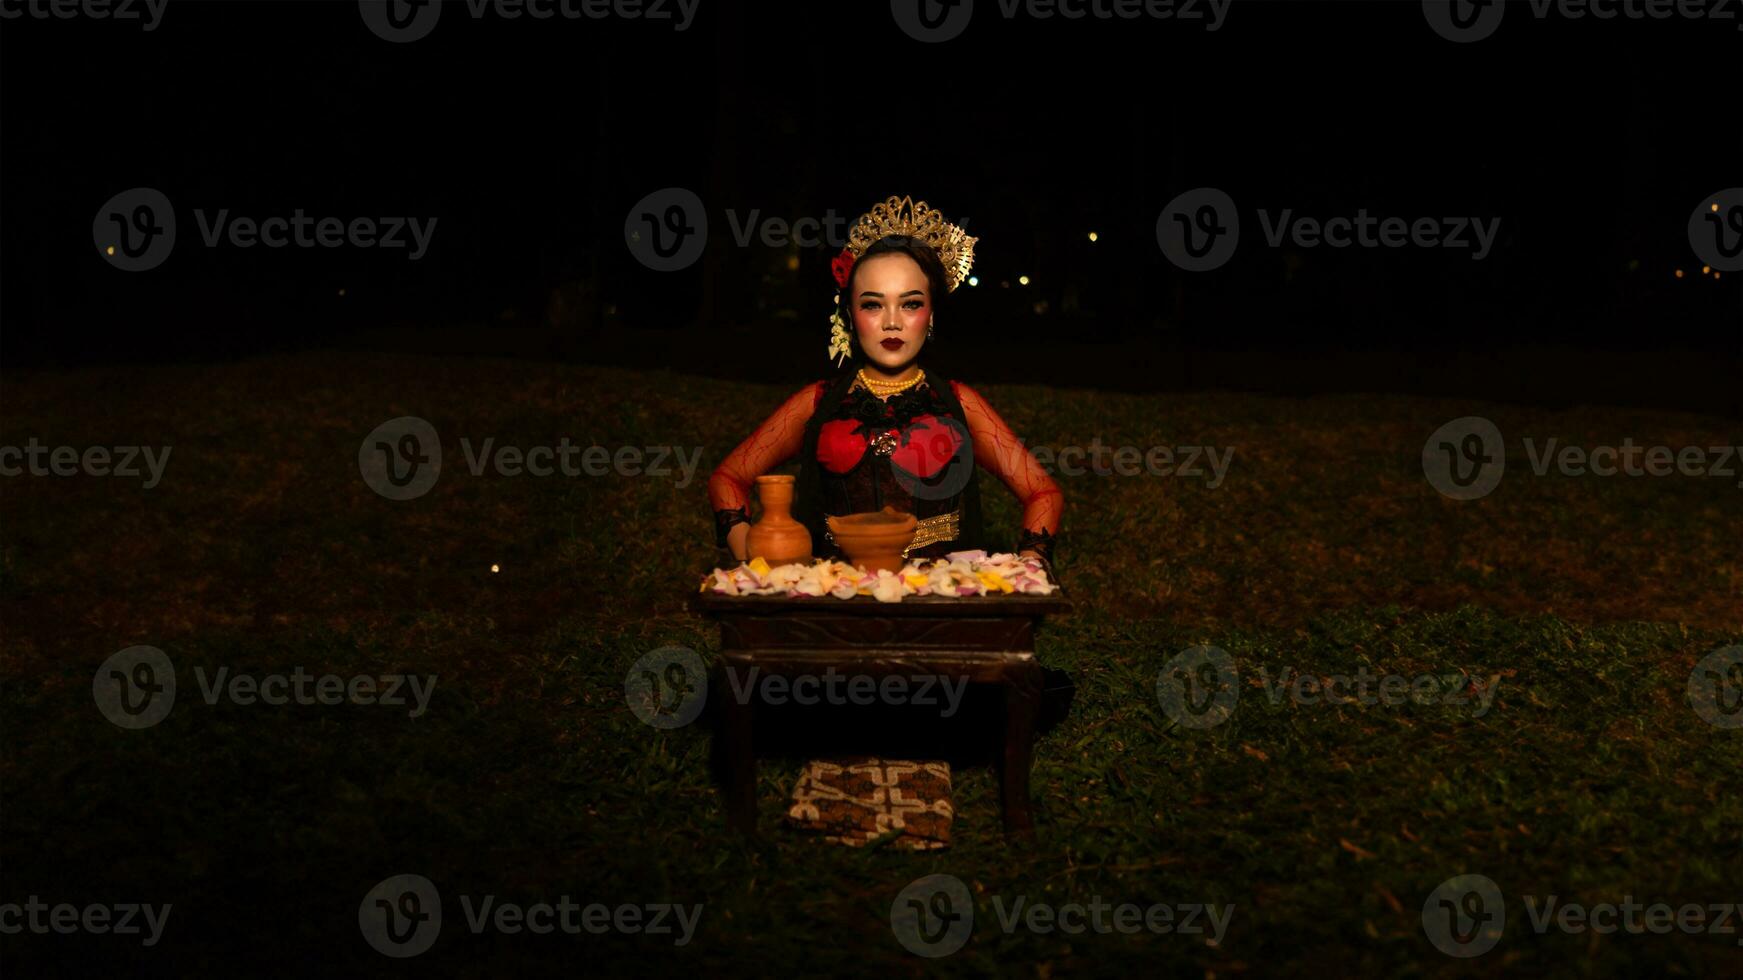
x=899, y=216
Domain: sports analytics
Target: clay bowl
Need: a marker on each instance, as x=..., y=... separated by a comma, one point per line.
x=874, y=540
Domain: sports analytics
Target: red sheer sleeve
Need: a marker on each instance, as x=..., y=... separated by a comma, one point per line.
x=777, y=440
x=998, y=449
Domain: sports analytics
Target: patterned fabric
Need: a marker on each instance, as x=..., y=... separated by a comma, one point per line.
x=860, y=799
x=939, y=527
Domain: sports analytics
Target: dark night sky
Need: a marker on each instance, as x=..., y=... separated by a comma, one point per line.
x=530, y=140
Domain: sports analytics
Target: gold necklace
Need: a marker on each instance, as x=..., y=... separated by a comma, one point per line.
x=885, y=388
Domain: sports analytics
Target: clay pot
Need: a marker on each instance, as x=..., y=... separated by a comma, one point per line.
x=776, y=537
x=874, y=540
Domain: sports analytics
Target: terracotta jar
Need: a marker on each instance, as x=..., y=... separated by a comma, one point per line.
x=874, y=540
x=776, y=537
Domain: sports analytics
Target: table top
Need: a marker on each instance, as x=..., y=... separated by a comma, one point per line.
x=1001, y=605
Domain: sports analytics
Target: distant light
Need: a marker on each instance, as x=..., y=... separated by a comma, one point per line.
x=1093, y=236
x=1715, y=207
x=1679, y=273
x=1023, y=280
x=1706, y=269
x=1715, y=275
x=110, y=250
x=792, y=263
x=341, y=290
x=496, y=568
x=974, y=280
x=1004, y=284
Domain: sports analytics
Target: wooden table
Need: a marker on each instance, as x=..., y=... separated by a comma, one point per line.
x=985, y=639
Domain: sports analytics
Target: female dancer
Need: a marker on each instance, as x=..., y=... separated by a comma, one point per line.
x=884, y=431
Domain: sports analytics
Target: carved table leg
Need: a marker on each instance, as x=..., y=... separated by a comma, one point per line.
x=739, y=762
x=1022, y=701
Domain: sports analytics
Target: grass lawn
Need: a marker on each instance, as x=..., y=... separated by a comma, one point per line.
x=1583, y=602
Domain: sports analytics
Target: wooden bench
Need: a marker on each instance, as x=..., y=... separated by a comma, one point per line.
x=984, y=639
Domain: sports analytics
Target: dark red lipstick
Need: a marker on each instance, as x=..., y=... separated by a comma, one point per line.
x=894, y=343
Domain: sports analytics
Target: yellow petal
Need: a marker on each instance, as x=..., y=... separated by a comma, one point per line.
x=993, y=580
x=914, y=580
x=759, y=566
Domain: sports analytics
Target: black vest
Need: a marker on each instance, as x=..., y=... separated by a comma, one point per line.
x=809, y=507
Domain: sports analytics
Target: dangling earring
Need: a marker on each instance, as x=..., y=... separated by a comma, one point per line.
x=929, y=327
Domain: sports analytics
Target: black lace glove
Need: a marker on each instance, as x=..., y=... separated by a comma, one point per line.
x=724, y=519
x=1040, y=542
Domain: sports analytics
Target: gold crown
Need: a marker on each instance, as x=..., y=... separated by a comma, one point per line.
x=906, y=216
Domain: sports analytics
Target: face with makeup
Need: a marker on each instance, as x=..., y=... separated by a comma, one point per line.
x=892, y=308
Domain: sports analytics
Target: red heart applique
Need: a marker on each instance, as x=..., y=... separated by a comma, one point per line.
x=923, y=449
x=927, y=446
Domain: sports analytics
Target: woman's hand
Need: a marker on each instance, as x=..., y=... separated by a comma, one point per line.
x=1046, y=565
x=735, y=538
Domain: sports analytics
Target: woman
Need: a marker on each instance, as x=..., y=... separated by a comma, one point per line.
x=883, y=431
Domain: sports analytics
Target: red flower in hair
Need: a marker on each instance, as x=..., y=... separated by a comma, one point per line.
x=842, y=266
